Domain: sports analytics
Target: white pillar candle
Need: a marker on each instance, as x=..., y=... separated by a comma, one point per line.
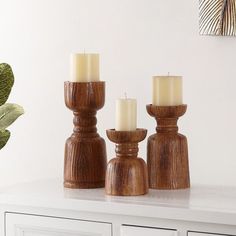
x=126, y=114
x=84, y=67
x=167, y=90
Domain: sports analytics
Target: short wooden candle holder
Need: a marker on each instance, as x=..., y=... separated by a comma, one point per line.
x=167, y=150
x=126, y=174
x=85, y=151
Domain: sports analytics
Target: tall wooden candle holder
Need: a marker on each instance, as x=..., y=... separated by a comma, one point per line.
x=167, y=150
x=85, y=151
x=126, y=174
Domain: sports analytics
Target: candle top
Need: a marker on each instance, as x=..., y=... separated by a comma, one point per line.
x=126, y=99
x=167, y=76
x=84, y=54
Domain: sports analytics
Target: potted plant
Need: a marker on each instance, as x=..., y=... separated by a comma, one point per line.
x=9, y=112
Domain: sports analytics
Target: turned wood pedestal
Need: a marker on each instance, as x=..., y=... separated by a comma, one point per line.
x=126, y=174
x=167, y=150
x=85, y=151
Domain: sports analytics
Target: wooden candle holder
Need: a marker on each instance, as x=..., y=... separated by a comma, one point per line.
x=167, y=150
x=126, y=174
x=85, y=151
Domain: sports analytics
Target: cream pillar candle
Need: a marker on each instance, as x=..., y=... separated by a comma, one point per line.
x=167, y=90
x=84, y=67
x=126, y=114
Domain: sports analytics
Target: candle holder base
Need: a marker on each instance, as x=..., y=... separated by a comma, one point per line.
x=85, y=162
x=85, y=151
x=167, y=150
x=126, y=174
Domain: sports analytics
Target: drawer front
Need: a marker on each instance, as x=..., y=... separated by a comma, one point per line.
x=29, y=225
x=145, y=231
x=206, y=234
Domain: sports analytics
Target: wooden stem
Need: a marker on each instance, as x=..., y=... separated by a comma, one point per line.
x=126, y=174
x=85, y=124
x=167, y=150
x=85, y=151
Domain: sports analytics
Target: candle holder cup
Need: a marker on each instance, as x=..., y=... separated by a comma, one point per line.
x=126, y=174
x=167, y=150
x=85, y=151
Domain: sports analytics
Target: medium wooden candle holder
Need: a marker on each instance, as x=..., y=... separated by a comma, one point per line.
x=85, y=151
x=126, y=174
x=167, y=150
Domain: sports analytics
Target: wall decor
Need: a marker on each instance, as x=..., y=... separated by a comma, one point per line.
x=217, y=17
x=85, y=151
x=167, y=150
x=8, y=112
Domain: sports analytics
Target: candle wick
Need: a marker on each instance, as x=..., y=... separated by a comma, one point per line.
x=125, y=95
x=84, y=51
x=168, y=73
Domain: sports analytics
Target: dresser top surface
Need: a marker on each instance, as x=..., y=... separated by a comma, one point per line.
x=198, y=203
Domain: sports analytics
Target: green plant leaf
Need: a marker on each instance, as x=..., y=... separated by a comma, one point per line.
x=4, y=137
x=9, y=112
x=6, y=82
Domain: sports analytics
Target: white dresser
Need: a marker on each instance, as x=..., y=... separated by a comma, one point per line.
x=45, y=208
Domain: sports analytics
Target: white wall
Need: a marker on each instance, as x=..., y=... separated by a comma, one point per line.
x=136, y=39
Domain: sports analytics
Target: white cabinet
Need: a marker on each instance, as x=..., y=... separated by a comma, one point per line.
x=141, y=231
x=46, y=208
x=29, y=225
x=206, y=234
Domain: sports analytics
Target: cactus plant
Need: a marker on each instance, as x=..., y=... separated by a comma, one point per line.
x=9, y=112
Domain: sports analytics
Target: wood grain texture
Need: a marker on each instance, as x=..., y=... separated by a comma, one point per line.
x=167, y=150
x=85, y=151
x=126, y=174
